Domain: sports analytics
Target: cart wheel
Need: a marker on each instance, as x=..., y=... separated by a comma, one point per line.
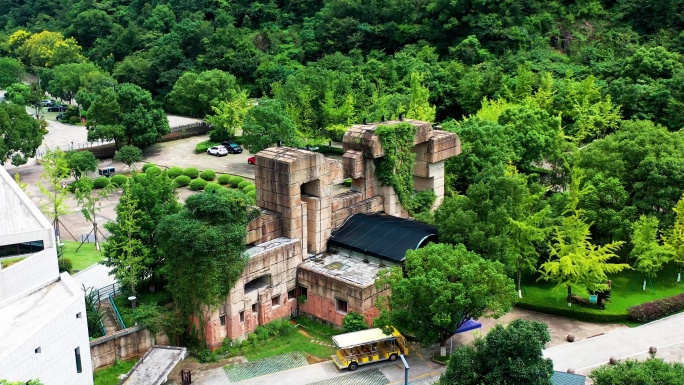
x=393, y=357
x=353, y=366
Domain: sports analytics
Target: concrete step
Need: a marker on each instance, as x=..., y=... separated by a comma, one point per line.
x=109, y=320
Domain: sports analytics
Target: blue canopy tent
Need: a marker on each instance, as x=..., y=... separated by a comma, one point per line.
x=468, y=325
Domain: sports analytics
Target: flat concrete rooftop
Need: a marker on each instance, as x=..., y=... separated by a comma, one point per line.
x=25, y=316
x=344, y=267
x=272, y=244
x=154, y=367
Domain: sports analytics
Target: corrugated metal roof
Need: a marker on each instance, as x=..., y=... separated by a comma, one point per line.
x=382, y=236
x=562, y=378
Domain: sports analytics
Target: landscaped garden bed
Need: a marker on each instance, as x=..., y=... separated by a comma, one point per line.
x=626, y=292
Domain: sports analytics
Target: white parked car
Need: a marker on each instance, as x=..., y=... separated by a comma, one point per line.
x=218, y=151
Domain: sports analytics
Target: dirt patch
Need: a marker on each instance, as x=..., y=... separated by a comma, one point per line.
x=304, y=333
x=314, y=360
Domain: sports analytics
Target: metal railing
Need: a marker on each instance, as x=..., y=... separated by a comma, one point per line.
x=189, y=126
x=116, y=312
x=104, y=292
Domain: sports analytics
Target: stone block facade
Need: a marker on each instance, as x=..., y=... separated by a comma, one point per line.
x=298, y=214
x=123, y=345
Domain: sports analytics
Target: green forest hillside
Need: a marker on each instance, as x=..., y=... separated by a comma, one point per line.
x=569, y=112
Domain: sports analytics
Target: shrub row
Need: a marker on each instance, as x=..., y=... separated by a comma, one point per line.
x=174, y=172
x=101, y=182
x=182, y=181
x=208, y=175
x=204, y=146
x=224, y=179
x=651, y=311
x=198, y=184
x=599, y=316
x=118, y=180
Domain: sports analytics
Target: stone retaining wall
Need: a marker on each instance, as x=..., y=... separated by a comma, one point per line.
x=122, y=345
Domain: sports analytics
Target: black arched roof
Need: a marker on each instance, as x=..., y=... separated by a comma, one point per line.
x=382, y=236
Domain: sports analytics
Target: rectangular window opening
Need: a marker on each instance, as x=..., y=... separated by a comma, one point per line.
x=242, y=316
x=341, y=305
x=292, y=294
x=78, y=315
x=303, y=292
x=37, y=350
x=255, y=307
x=222, y=319
x=77, y=352
x=275, y=301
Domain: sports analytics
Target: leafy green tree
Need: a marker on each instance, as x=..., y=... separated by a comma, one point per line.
x=353, y=322
x=89, y=25
x=11, y=71
x=124, y=250
x=653, y=371
x=26, y=95
x=484, y=147
x=441, y=287
x=645, y=158
x=67, y=79
x=127, y=113
x=267, y=123
x=55, y=172
x=45, y=49
x=129, y=155
x=674, y=238
x=228, y=116
x=605, y=204
x=649, y=254
x=80, y=163
x=154, y=199
x=20, y=134
x=498, y=218
x=212, y=229
x=574, y=261
x=510, y=355
x=90, y=202
x=419, y=107
x=194, y=94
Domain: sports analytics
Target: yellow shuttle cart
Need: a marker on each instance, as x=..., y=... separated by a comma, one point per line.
x=366, y=346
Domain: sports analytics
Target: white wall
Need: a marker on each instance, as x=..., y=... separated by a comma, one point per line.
x=35, y=271
x=56, y=363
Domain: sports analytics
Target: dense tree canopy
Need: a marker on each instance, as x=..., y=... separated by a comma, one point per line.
x=20, y=134
x=653, y=371
x=441, y=287
x=211, y=228
x=510, y=355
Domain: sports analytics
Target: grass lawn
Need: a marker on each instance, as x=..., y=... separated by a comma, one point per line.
x=110, y=375
x=625, y=293
x=85, y=257
x=323, y=332
x=442, y=359
x=293, y=341
x=10, y=261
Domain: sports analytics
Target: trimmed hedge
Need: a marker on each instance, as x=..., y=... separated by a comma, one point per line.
x=243, y=184
x=651, y=311
x=249, y=187
x=204, y=146
x=198, y=184
x=235, y=181
x=148, y=165
x=572, y=313
x=208, y=175
x=182, y=180
x=174, y=172
x=251, y=195
x=191, y=172
x=118, y=180
x=153, y=170
x=224, y=179
x=211, y=187
x=101, y=182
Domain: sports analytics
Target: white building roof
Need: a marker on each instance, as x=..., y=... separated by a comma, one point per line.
x=20, y=219
x=361, y=337
x=22, y=317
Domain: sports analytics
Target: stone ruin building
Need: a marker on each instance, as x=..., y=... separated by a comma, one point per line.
x=317, y=247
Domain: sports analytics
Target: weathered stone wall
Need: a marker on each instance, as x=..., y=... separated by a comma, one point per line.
x=122, y=345
x=323, y=291
x=275, y=260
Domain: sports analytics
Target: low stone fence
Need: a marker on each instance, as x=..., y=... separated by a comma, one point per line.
x=122, y=345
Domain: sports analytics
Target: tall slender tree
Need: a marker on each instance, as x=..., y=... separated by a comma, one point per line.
x=55, y=172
